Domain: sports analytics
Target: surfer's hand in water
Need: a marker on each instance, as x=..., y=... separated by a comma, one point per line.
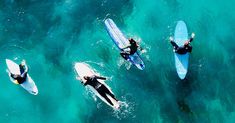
x=171, y=38
x=193, y=35
x=108, y=78
x=78, y=78
x=23, y=62
x=142, y=50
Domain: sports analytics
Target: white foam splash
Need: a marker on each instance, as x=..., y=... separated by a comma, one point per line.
x=126, y=110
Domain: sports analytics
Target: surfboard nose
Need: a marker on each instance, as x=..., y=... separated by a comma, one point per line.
x=78, y=64
x=140, y=66
x=34, y=91
x=182, y=76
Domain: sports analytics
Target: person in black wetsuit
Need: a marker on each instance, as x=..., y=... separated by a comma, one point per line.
x=101, y=89
x=133, y=48
x=23, y=74
x=182, y=49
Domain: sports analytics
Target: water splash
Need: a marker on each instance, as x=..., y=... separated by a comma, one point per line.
x=125, y=111
x=100, y=64
x=121, y=62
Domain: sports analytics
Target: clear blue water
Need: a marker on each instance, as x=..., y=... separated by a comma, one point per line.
x=51, y=35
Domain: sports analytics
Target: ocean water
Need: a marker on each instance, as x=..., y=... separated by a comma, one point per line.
x=52, y=35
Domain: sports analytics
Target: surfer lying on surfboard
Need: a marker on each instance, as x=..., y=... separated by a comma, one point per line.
x=132, y=49
x=19, y=79
x=101, y=89
x=185, y=48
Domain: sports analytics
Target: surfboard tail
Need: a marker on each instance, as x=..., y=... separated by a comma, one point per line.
x=116, y=103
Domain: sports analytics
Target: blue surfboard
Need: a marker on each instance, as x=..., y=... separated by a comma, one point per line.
x=121, y=42
x=181, y=61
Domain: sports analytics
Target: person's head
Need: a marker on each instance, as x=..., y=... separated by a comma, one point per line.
x=86, y=77
x=22, y=65
x=186, y=43
x=15, y=75
x=132, y=41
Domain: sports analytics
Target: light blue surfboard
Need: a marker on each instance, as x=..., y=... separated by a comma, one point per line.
x=121, y=41
x=181, y=61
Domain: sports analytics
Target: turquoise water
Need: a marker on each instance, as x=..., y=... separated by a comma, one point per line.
x=51, y=35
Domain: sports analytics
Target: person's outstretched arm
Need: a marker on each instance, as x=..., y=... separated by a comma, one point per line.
x=23, y=74
x=173, y=43
x=171, y=39
x=140, y=48
x=192, y=37
x=99, y=77
x=23, y=63
x=26, y=68
x=78, y=78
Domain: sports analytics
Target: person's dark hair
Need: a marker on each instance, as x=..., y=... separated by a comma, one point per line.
x=86, y=77
x=132, y=40
x=186, y=43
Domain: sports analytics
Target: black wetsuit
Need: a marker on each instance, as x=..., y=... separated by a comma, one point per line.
x=20, y=78
x=133, y=48
x=101, y=89
x=182, y=49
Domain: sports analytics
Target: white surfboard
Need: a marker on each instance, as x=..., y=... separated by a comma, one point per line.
x=82, y=70
x=121, y=42
x=181, y=61
x=29, y=84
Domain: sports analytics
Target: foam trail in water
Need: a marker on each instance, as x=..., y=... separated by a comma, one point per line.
x=125, y=110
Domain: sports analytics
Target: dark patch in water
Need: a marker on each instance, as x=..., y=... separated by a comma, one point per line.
x=24, y=20
x=104, y=54
x=183, y=106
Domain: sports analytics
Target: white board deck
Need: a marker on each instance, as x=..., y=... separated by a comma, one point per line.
x=29, y=84
x=84, y=69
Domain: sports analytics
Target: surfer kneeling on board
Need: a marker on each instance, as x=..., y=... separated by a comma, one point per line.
x=19, y=79
x=185, y=48
x=133, y=48
x=101, y=89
